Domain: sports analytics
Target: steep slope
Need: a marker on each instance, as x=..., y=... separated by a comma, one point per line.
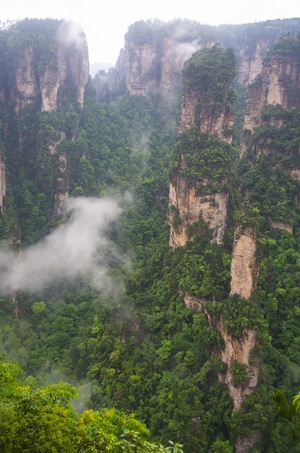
x=207, y=324
x=268, y=146
x=45, y=70
x=156, y=51
x=203, y=153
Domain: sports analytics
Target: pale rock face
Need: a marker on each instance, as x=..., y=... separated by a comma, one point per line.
x=238, y=350
x=26, y=80
x=62, y=180
x=75, y=65
x=30, y=85
x=280, y=226
x=295, y=173
x=250, y=66
x=149, y=69
x=281, y=70
x=243, y=269
x=245, y=444
x=205, y=120
x=192, y=302
x=270, y=89
x=174, y=55
x=212, y=208
x=141, y=73
x=2, y=183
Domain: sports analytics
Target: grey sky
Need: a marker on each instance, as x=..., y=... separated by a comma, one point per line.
x=105, y=23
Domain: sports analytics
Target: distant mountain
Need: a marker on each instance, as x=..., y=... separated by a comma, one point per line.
x=97, y=66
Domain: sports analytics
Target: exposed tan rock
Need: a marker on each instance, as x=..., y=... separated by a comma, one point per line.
x=141, y=68
x=62, y=181
x=27, y=86
x=244, y=444
x=174, y=55
x=295, y=173
x=189, y=205
x=278, y=83
x=280, y=226
x=243, y=268
x=2, y=183
x=72, y=66
x=205, y=119
x=152, y=68
x=251, y=63
x=238, y=350
x=192, y=302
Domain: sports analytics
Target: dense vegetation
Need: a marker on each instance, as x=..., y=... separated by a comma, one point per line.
x=139, y=349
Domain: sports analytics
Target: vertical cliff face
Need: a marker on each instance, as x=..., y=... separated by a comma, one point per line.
x=190, y=206
x=45, y=69
x=243, y=265
x=38, y=79
x=155, y=57
x=243, y=271
x=278, y=84
x=207, y=109
x=142, y=74
x=155, y=67
x=251, y=62
x=2, y=182
x=208, y=97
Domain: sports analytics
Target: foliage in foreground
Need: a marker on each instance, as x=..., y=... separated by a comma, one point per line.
x=43, y=420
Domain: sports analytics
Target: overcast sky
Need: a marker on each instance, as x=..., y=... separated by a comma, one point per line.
x=106, y=22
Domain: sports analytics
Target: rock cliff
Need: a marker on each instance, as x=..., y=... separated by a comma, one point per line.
x=2, y=183
x=277, y=84
x=190, y=206
x=156, y=52
x=42, y=81
x=156, y=66
x=209, y=110
x=45, y=69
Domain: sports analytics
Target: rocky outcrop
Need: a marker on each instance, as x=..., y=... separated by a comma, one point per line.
x=2, y=183
x=243, y=268
x=62, y=185
x=189, y=206
x=204, y=119
x=237, y=350
x=194, y=303
x=62, y=179
x=278, y=84
x=141, y=69
x=70, y=65
x=156, y=67
x=250, y=63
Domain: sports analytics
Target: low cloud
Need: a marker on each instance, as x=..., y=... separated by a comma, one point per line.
x=71, y=33
x=78, y=248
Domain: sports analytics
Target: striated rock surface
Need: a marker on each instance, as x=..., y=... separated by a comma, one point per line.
x=237, y=350
x=2, y=182
x=69, y=66
x=155, y=68
x=204, y=118
x=142, y=74
x=278, y=84
x=62, y=179
x=190, y=206
x=243, y=268
x=250, y=64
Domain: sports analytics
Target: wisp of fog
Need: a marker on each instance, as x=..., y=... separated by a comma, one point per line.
x=80, y=247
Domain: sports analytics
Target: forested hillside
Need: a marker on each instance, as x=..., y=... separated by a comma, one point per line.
x=149, y=236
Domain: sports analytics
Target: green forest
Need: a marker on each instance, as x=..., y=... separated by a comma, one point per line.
x=114, y=360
